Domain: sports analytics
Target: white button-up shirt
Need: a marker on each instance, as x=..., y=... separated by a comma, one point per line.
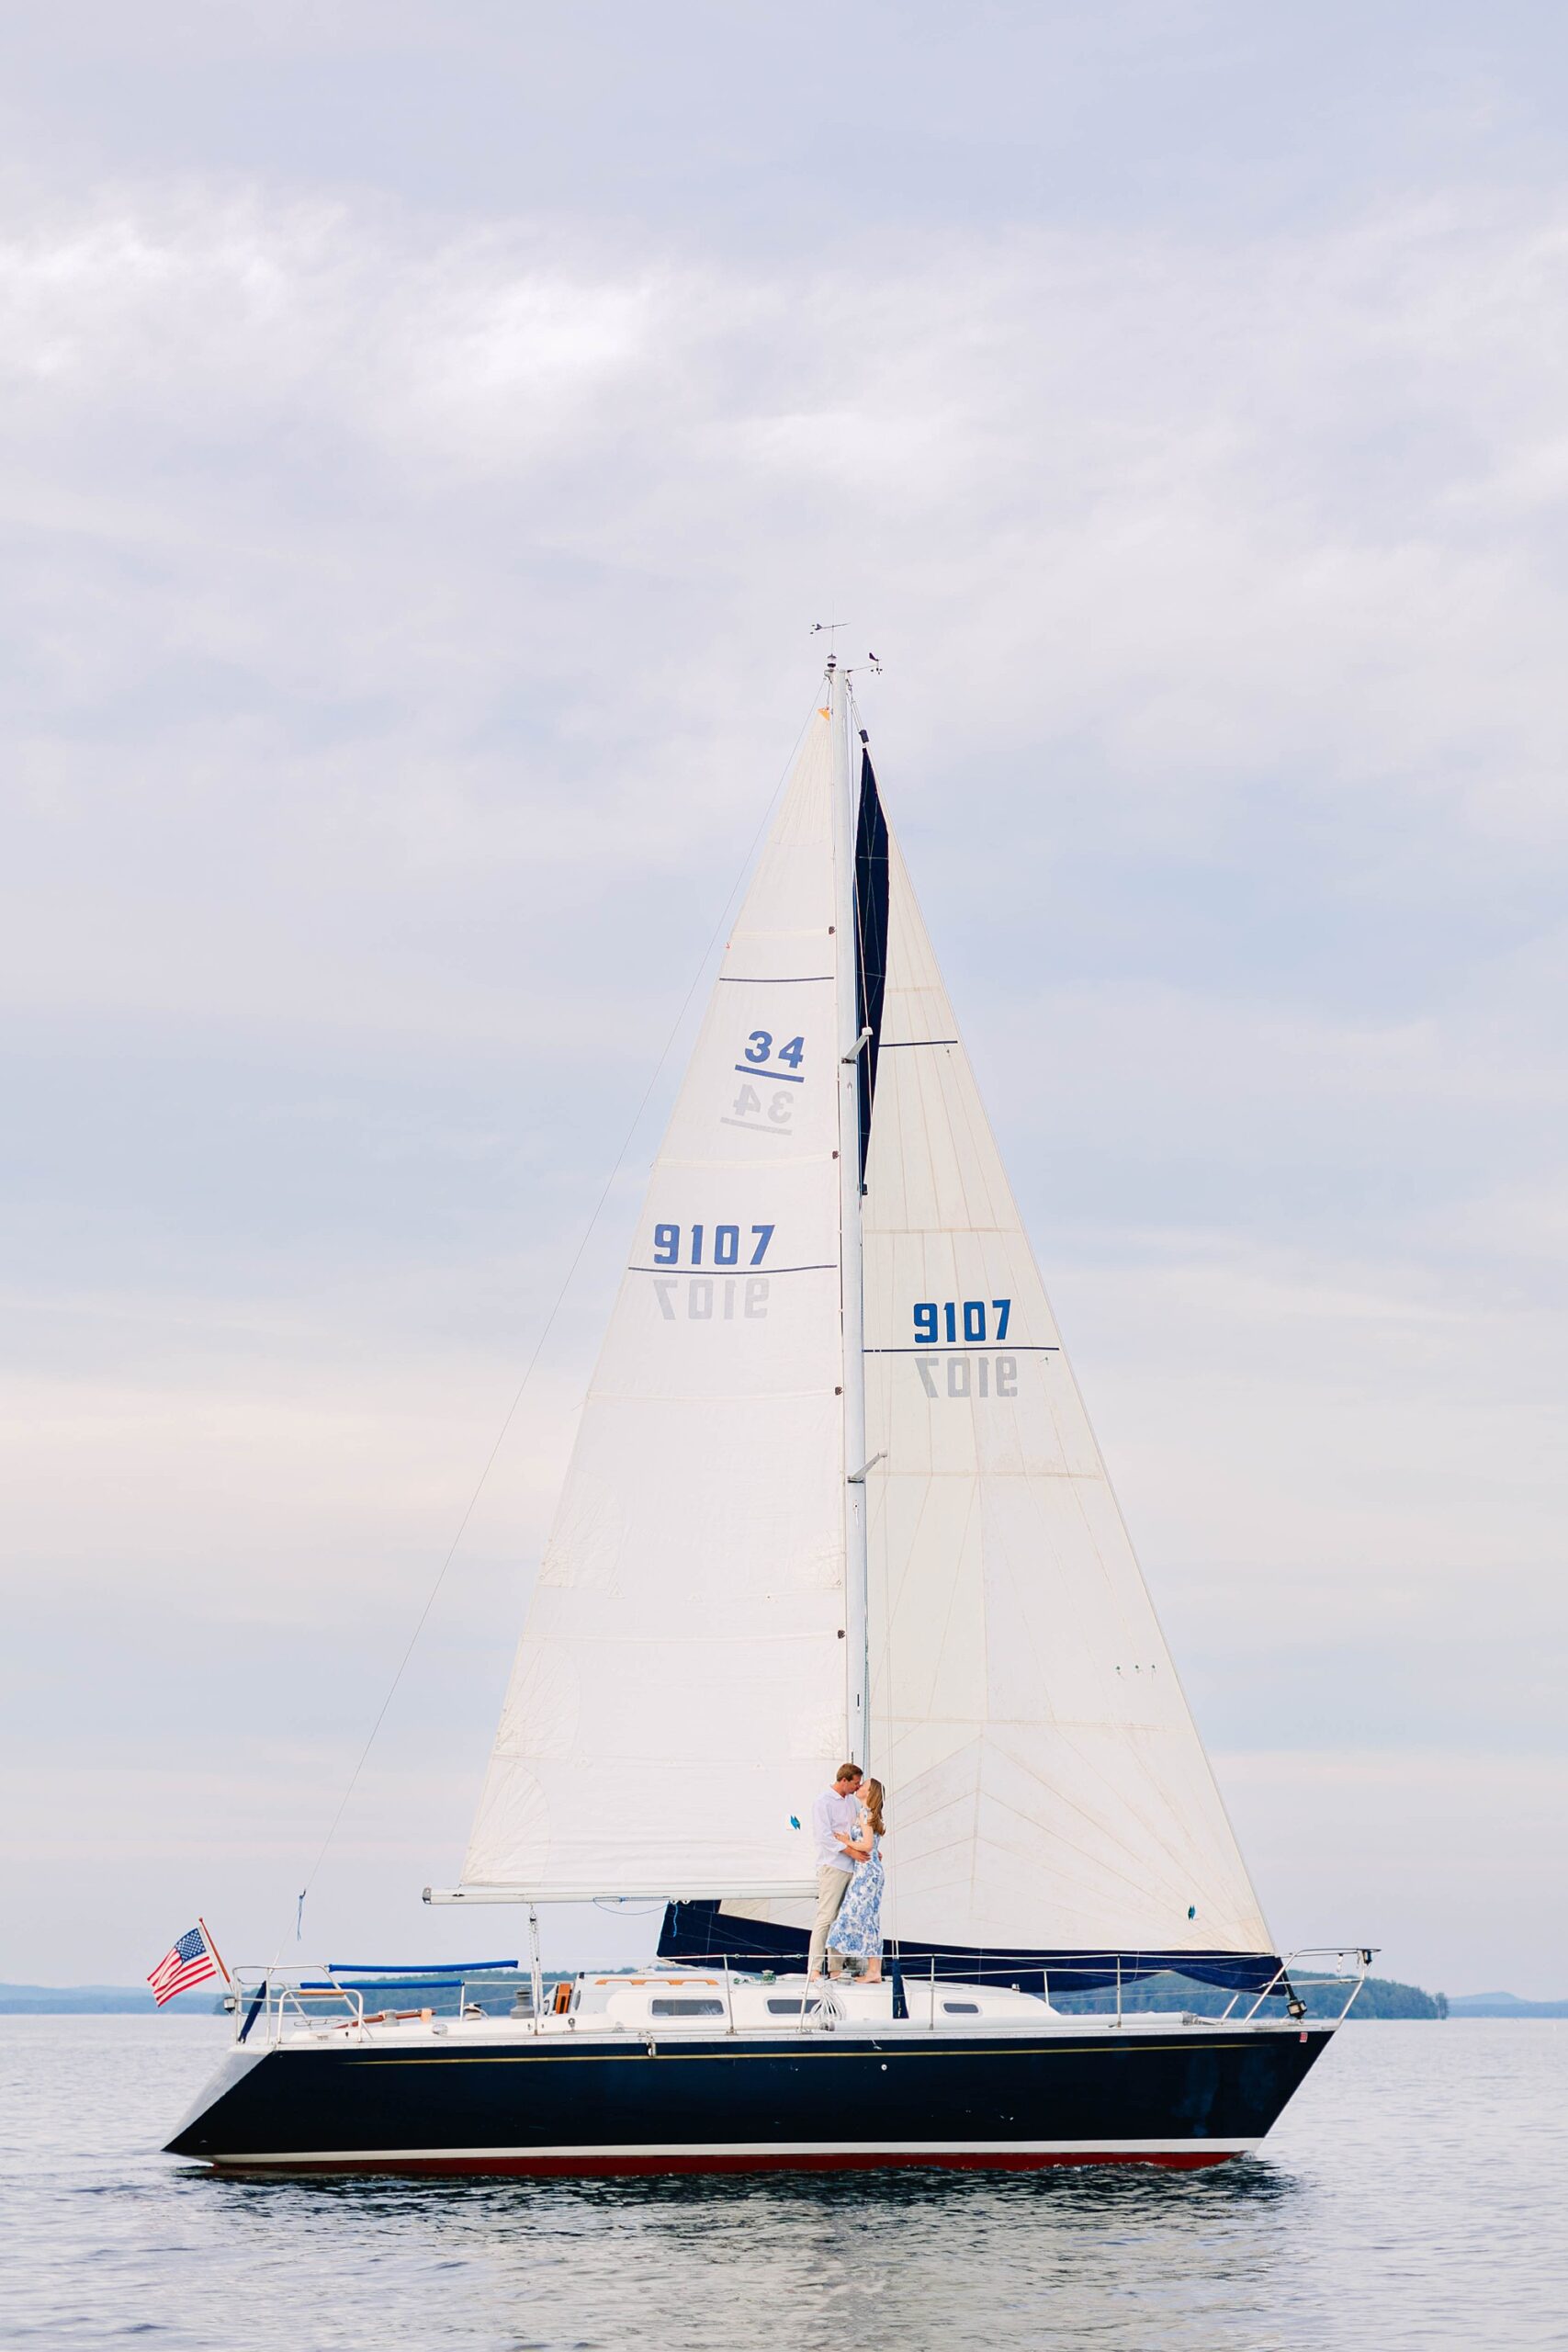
x=832, y=1811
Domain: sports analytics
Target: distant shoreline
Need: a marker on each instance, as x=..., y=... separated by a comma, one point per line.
x=135, y=2000
x=100, y=2000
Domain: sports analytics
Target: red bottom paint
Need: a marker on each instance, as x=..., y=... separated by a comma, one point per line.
x=600, y=2167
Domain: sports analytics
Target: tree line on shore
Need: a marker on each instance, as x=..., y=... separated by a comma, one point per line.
x=1379, y=1997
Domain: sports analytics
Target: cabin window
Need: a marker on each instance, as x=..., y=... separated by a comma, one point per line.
x=786, y=2009
x=685, y=2008
x=962, y=2008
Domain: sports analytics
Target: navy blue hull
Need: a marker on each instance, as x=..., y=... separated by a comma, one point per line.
x=559, y=2106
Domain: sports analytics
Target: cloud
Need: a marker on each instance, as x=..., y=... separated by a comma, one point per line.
x=407, y=619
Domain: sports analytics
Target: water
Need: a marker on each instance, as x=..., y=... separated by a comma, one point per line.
x=1412, y=2195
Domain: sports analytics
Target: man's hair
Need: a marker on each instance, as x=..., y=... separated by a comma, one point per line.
x=849, y=1772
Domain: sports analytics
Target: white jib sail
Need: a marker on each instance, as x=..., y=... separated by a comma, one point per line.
x=1047, y=1785
x=677, y=1697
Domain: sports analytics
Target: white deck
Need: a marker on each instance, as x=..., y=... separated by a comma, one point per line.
x=694, y=2004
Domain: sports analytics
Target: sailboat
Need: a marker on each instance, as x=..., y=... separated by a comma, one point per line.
x=834, y=1495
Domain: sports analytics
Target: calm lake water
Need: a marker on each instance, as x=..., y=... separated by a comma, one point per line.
x=1413, y=2195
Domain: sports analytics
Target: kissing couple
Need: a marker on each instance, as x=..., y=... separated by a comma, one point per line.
x=846, y=1822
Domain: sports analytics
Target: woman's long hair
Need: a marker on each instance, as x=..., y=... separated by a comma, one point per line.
x=871, y=1796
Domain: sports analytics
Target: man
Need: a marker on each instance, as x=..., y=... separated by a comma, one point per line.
x=833, y=1818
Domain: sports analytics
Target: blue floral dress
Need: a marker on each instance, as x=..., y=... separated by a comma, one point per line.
x=856, y=1933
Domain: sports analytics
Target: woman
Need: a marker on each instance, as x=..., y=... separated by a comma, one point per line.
x=856, y=1933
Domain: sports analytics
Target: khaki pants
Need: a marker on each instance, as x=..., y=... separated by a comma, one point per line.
x=832, y=1885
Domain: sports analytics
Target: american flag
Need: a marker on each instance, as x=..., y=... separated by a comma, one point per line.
x=186, y=1962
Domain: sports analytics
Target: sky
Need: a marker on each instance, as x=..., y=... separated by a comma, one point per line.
x=429, y=434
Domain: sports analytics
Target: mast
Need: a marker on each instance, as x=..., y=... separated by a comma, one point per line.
x=850, y=1045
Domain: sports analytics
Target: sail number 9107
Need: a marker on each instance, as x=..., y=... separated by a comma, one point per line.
x=723, y=1243
x=961, y=1325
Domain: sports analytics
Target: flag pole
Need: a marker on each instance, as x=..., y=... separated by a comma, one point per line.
x=212, y=1947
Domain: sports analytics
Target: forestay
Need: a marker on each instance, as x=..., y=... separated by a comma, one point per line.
x=679, y=1691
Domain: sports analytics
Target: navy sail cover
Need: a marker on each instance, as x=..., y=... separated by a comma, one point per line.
x=871, y=936
x=703, y=1932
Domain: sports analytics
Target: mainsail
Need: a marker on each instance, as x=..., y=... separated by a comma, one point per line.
x=680, y=1686
x=1051, y=1791
x=722, y=1579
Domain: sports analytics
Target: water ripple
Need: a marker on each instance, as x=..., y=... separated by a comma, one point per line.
x=1411, y=2199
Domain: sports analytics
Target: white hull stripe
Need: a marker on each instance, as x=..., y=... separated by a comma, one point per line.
x=633, y=2151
